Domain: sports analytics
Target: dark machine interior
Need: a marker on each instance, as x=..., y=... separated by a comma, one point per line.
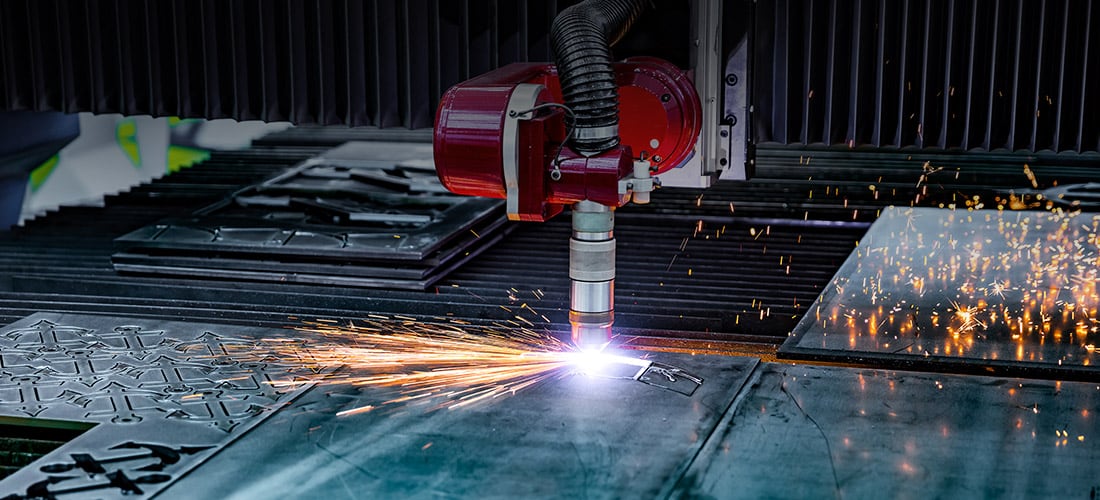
x=783, y=359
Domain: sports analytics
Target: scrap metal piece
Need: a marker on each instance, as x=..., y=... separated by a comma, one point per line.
x=672, y=378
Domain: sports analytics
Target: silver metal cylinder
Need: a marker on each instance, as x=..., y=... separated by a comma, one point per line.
x=591, y=296
x=591, y=261
x=592, y=271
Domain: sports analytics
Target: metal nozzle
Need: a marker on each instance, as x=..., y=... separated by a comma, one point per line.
x=591, y=334
x=592, y=271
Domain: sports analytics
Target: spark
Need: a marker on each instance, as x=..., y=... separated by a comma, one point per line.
x=1030, y=176
x=448, y=365
x=969, y=317
x=997, y=288
x=927, y=169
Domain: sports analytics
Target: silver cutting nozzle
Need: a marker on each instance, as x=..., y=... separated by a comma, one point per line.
x=592, y=271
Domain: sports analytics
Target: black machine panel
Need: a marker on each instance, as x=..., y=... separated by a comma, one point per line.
x=925, y=74
x=1017, y=75
x=375, y=63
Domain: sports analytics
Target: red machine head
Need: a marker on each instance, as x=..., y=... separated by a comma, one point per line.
x=503, y=135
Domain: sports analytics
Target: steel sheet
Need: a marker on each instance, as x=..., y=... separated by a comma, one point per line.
x=980, y=291
x=830, y=432
x=572, y=437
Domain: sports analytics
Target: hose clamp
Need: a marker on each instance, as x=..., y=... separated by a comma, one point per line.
x=596, y=132
x=525, y=96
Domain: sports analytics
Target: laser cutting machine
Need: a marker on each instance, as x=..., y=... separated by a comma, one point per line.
x=585, y=132
x=793, y=144
x=510, y=134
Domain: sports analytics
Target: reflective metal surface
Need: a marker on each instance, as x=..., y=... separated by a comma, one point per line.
x=823, y=432
x=981, y=291
x=571, y=437
x=187, y=410
x=162, y=396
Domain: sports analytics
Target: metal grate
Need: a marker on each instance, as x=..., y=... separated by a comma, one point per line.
x=23, y=441
x=1019, y=75
x=786, y=232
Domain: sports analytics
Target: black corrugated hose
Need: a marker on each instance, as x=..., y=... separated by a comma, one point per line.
x=581, y=38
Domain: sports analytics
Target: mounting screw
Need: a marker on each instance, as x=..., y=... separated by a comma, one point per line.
x=666, y=97
x=724, y=133
x=731, y=79
x=723, y=161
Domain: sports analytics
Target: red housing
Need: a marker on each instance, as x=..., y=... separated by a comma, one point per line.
x=659, y=119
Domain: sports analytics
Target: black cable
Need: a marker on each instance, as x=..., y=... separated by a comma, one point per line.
x=568, y=124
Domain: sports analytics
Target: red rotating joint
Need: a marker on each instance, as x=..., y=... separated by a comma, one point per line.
x=503, y=135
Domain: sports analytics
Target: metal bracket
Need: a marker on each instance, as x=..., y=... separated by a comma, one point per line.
x=736, y=119
x=711, y=153
x=707, y=33
x=640, y=184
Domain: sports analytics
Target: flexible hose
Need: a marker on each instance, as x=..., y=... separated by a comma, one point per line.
x=581, y=39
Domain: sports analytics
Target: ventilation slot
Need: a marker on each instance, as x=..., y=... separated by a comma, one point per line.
x=24, y=440
x=1015, y=75
x=376, y=63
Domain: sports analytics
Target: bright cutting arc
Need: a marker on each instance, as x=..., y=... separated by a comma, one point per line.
x=450, y=366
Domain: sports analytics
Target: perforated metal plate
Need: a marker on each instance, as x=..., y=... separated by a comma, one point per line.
x=280, y=269
x=163, y=396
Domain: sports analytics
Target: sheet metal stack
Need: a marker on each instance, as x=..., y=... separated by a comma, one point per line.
x=367, y=215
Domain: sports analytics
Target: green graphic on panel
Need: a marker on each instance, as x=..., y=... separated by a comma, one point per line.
x=182, y=151
x=43, y=171
x=126, y=136
x=180, y=157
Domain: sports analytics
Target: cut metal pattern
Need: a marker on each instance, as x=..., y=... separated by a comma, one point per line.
x=117, y=375
x=178, y=391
